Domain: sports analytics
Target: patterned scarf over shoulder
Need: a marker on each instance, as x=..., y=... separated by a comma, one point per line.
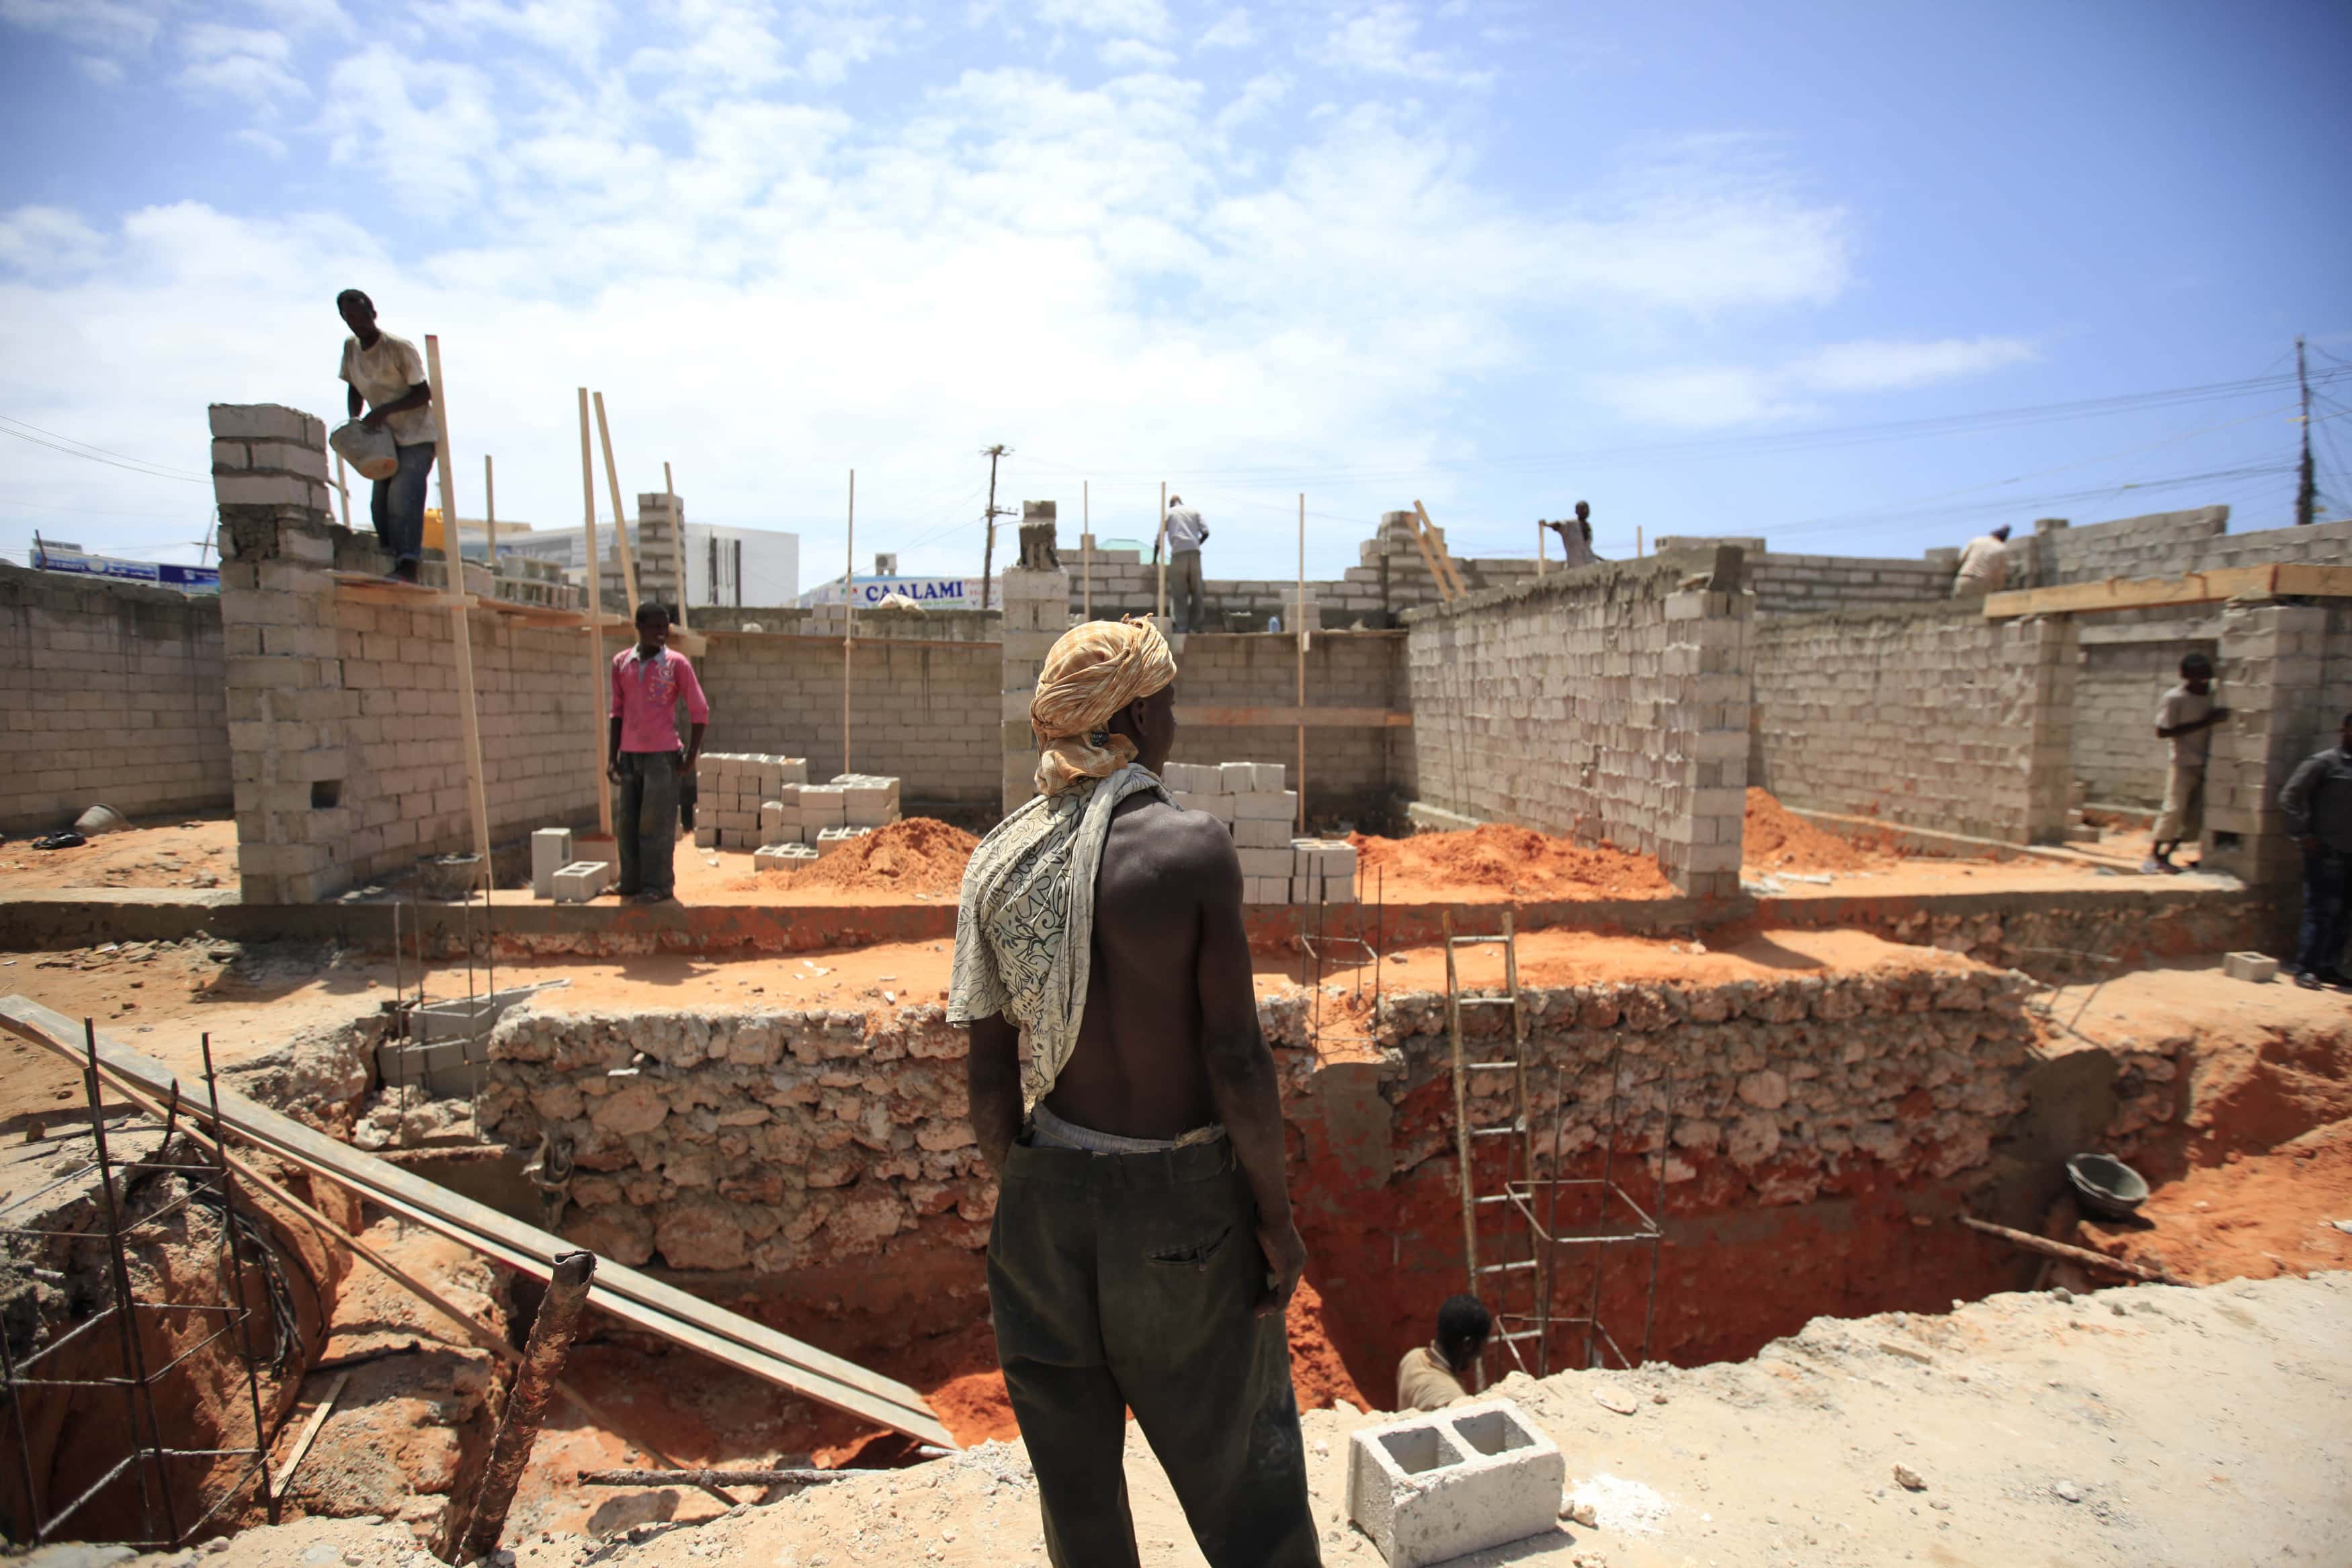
x=1025, y=925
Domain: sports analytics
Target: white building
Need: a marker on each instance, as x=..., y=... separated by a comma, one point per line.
x=724, y=566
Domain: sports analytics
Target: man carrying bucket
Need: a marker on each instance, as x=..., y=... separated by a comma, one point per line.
x=388, y=373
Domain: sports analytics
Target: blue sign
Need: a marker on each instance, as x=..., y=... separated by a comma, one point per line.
x=943, y=592
x=186, y=579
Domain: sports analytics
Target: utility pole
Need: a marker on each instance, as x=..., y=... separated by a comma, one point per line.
x=987, y=558
x=2304, y=485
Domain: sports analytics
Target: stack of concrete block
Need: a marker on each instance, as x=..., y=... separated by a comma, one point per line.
x=741, y=796
x=828, y=840
x=1249, y=799
x=867, y=800
x=1323, y=871
x=550, y=852
x=1037, y=613
x=782, y=857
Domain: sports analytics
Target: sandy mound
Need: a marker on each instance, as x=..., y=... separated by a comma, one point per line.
x=1776, y=837
x=1507, y=859
x=919, y=855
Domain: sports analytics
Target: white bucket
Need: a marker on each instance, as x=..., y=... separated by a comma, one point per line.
x=371, y=451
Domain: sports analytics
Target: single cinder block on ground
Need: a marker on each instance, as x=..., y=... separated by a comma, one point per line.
x=1448, y=1482
x=2259, y=968
x=580, y=881
x=550, y=852
x=782, y=857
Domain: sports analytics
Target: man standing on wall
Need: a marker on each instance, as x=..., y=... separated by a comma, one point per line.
x=1430, y=1376
x=2317, y=801
x=1186, y=535
x=2185, y=717
x=647, y=682
x=388, y=373
x=1143, y=1250
x=1984, y=565
x=1576, y=537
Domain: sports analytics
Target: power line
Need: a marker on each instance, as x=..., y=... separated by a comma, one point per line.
x=71, y=448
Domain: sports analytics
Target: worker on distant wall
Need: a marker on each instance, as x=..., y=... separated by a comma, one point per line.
x=645, y=760
x=1121, y=1091
x=1576, y=537
x=1186, y=535
x=2185, y=717
x=388, y=373
x=1430, y=1376
x=2317, y=801
x=1984, y=565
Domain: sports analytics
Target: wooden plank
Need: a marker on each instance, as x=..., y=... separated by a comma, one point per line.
x=2283, y=580
x=600, y=688
x=1445, y=556
x=1302, y=717
x=461, y=632
x=284, y=1479
x=1299, y=782
x=1428, y=562
x=677, y=552
x=621, y=545
x=664, y=1310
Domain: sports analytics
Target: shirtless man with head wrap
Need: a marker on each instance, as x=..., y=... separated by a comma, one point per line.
x=1143, y=1250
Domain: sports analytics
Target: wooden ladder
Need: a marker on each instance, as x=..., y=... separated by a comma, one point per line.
x=1515, y=1284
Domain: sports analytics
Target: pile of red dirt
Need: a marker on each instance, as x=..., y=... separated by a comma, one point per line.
x=1518, y=862
x=1778, y=838
x=2253, y=1215
x=919, y=855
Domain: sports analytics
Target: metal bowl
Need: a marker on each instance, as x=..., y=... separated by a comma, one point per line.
x=2107, y=1186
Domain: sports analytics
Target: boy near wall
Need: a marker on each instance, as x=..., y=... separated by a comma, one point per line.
x=2185, y=717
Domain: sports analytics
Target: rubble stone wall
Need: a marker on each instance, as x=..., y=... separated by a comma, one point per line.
x=115, y=698
x=1607, y=704
x=1933, y=717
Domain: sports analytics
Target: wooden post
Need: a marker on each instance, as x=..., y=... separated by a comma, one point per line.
x=620, y=514
x=460, y=634
x=676, y=546
x=1086, y=545
x=1637, y=539
x=343, y=483
x=559, y=1312
x=490, y=521
x=1539, y=551
x=849, y=617
x=1301, y=782
x=1160, y=554
x=599, y=697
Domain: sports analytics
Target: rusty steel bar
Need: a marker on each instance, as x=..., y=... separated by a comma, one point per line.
x=542, y=1362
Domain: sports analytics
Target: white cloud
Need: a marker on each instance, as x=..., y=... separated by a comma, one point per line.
x=1128, y=18
x=99, y=70
x=1703, y=396
x=261, y=141
x=247, y=63
x=1258, y=98
x=1381, y=40
x=424, y=127
x=103, y=26
x=1134, y=55
x=45, y=240
x=1230, y=31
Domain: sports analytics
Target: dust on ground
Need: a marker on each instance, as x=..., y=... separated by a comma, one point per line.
x=2146, y=1424
x=172, y=851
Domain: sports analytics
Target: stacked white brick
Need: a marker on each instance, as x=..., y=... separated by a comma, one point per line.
x=1249, y=799
x=741, y=800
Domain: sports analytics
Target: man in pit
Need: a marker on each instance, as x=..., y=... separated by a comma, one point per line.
x=1143, y=1249
x=1430, y=1376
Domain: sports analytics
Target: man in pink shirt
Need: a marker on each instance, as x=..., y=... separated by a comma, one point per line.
x=647, y=682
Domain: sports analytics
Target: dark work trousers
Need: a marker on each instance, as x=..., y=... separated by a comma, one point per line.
x=396, y=506
x=646, y=822
x=1186, y=603
x=1127, y=1283
x=2326, y=875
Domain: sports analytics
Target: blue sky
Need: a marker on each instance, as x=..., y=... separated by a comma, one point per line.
x=1689, y=262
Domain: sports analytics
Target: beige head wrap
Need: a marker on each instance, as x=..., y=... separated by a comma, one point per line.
x=1093, y=672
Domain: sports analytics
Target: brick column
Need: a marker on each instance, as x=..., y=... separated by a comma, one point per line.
x=284, y=699
x=1037, y=613
x=2054, y=644
x=1705, y=664
x=658, y=523
x=2271, y=662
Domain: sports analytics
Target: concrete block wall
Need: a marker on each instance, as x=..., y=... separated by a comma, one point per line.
x=1933, y=717
x=2161, y=544
x=1037, y=613
x=115, y=696
x=925, y=715
x=2129, y=663
x=2275, y=660
x=1351, y=773
x=1607, y=704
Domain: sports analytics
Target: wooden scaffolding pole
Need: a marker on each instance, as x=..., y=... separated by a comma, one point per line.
x=1539, y=551
x=1086, y=546
x=461, y=635
x=676, y=546
x=1299, y=784
x=343, y=483
x=849, y=617
x=621, y=545
x=599, y=694
x=1160, y=553
x=490, y=521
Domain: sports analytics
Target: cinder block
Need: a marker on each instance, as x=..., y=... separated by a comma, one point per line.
x=1267, y=805
x=259, y=421
x=550, y=852
x=1265, y=863
x=1438, y=1485
x=782, y=857
x=1266, y=777
x=582, y=881
x=2258, y=968
x=1260, y=832
x=1266, y=890
x=1237, y=777
x=831, y=838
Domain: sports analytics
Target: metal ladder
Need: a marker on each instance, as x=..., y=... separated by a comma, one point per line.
x=1521, y=1315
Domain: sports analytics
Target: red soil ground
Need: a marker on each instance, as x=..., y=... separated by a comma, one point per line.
x=918, y=854
x=1517, y=862
x=1776, y=838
